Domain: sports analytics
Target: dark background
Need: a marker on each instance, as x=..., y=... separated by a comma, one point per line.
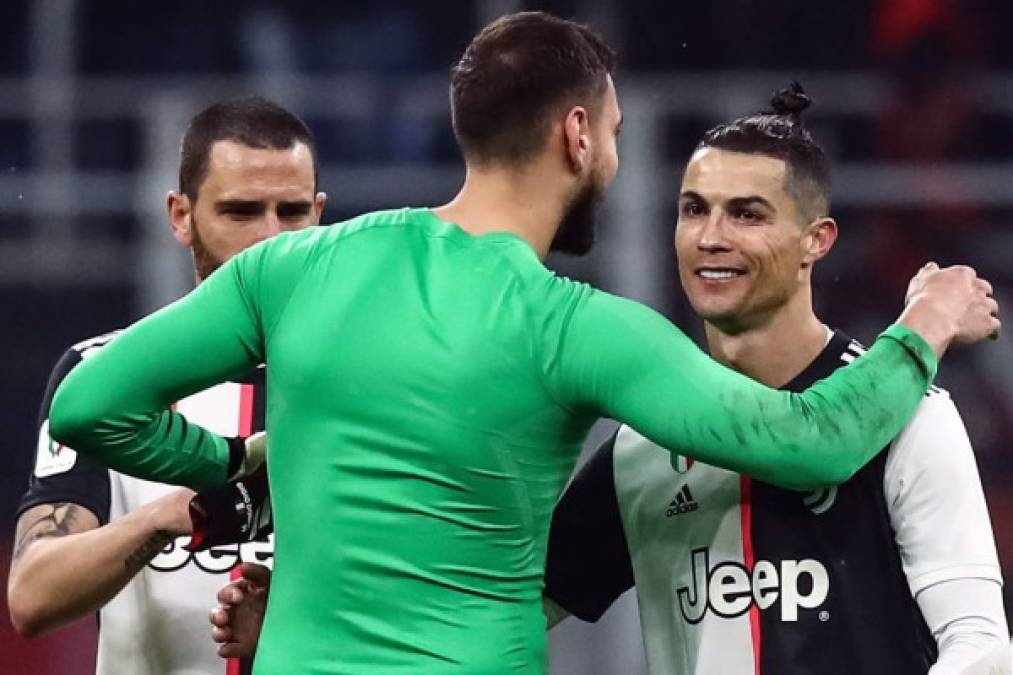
x=914, y=104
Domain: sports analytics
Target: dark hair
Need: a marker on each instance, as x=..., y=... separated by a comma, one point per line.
x=253, y=121
x=779, y=133
x=515, y=74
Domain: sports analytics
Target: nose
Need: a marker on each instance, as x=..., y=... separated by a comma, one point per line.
x=271, y=226
x=714, y=234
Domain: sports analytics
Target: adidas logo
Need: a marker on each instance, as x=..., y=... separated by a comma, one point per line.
x=683, y=503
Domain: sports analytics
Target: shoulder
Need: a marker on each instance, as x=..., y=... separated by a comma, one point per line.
x=933, y=448
x=86, y=348
x=935, y=420
x=77, y=352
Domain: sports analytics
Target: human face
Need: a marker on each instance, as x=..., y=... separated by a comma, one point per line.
x=744, y=251
x=578, y=229
x=248, y=195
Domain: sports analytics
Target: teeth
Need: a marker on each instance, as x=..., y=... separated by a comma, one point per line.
x=717, y=274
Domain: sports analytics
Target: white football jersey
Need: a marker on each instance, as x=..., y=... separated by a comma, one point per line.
x=738, y=577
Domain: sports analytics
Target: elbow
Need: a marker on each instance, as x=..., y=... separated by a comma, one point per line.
x=63, y=426
x=26, y=612
x=69, y=422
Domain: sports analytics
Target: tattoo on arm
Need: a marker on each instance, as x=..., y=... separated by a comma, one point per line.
x=143, y=554
x=50, y=520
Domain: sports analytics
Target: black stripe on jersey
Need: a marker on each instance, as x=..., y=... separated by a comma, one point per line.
x=588, y=563
x=868, y=622
x=856, y=349
x=260, y=400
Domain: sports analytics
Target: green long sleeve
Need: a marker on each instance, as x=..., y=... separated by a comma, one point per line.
x=626, y=362
x=115, y=405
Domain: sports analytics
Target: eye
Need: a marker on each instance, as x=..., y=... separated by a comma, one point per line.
x=749, y=216
x=692, y=209
x=294, y=211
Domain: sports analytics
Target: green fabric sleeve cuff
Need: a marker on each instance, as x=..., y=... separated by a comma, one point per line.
x=916, y=346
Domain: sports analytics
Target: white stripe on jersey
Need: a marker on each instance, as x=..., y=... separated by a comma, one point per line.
x=97, y=341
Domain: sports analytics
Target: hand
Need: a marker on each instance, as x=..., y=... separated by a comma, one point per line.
x=950, y=305
x=237, y=619
x=254, y=454
x=171, y=513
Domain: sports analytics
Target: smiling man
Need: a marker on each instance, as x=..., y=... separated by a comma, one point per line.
x=737, y=576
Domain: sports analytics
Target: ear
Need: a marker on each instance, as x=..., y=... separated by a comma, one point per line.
x=319, y=202
x=818, y=240
x=180, y=211
x=577, y=136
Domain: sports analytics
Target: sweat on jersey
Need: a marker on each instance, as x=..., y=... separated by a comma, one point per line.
x=157, y=624
x=430, y=393
x=738, y=577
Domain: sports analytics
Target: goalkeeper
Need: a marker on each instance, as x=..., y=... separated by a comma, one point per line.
x=432, y=382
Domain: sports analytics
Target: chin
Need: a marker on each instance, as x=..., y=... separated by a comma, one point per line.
x=719, y=314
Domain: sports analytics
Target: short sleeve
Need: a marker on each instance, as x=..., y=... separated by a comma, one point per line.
x=59, y=474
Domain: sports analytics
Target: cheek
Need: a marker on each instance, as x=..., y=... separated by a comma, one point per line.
x=608, y=163
x=226, y=237
x=682, y=241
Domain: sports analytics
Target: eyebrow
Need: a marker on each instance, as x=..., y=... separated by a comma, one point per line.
x=256, y=205
x=741, y=202
x=738, y=202
x=239, y=206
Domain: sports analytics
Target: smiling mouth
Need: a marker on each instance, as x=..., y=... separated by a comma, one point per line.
x=719, y=273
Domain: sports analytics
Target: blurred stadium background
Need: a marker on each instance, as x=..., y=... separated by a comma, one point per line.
x=914, y=103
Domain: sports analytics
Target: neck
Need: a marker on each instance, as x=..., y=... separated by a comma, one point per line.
x=522, y=201
x=777, y=350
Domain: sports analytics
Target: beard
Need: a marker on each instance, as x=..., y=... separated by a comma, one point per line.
x=579, y=227
x=204, y=261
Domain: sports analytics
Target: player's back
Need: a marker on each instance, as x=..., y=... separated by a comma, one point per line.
x=409, y=417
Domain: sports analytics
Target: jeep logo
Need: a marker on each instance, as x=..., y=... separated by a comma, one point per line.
x=216, y=560
x=729, y=590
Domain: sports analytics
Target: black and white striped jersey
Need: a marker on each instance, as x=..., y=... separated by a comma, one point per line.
x=157, y=625
x=738, y=577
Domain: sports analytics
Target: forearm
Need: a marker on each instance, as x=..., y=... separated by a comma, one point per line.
x=967, y=620
x=55, y=580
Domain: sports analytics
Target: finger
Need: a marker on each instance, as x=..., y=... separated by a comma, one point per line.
x=220, y=617
x=221, y=634
x=984, y=286
x=231, y=594
x=929, y=266
x=232, y=650
x=255, y=574
x=992, y=305
x=996, y=330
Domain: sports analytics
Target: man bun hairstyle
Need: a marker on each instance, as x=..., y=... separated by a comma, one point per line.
x=252, y=121
x=780, y=133
x=516, y=74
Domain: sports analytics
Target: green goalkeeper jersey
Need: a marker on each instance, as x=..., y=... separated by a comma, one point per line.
x=429, y=393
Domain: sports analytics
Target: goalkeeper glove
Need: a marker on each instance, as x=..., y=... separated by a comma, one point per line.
x=238, y=511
